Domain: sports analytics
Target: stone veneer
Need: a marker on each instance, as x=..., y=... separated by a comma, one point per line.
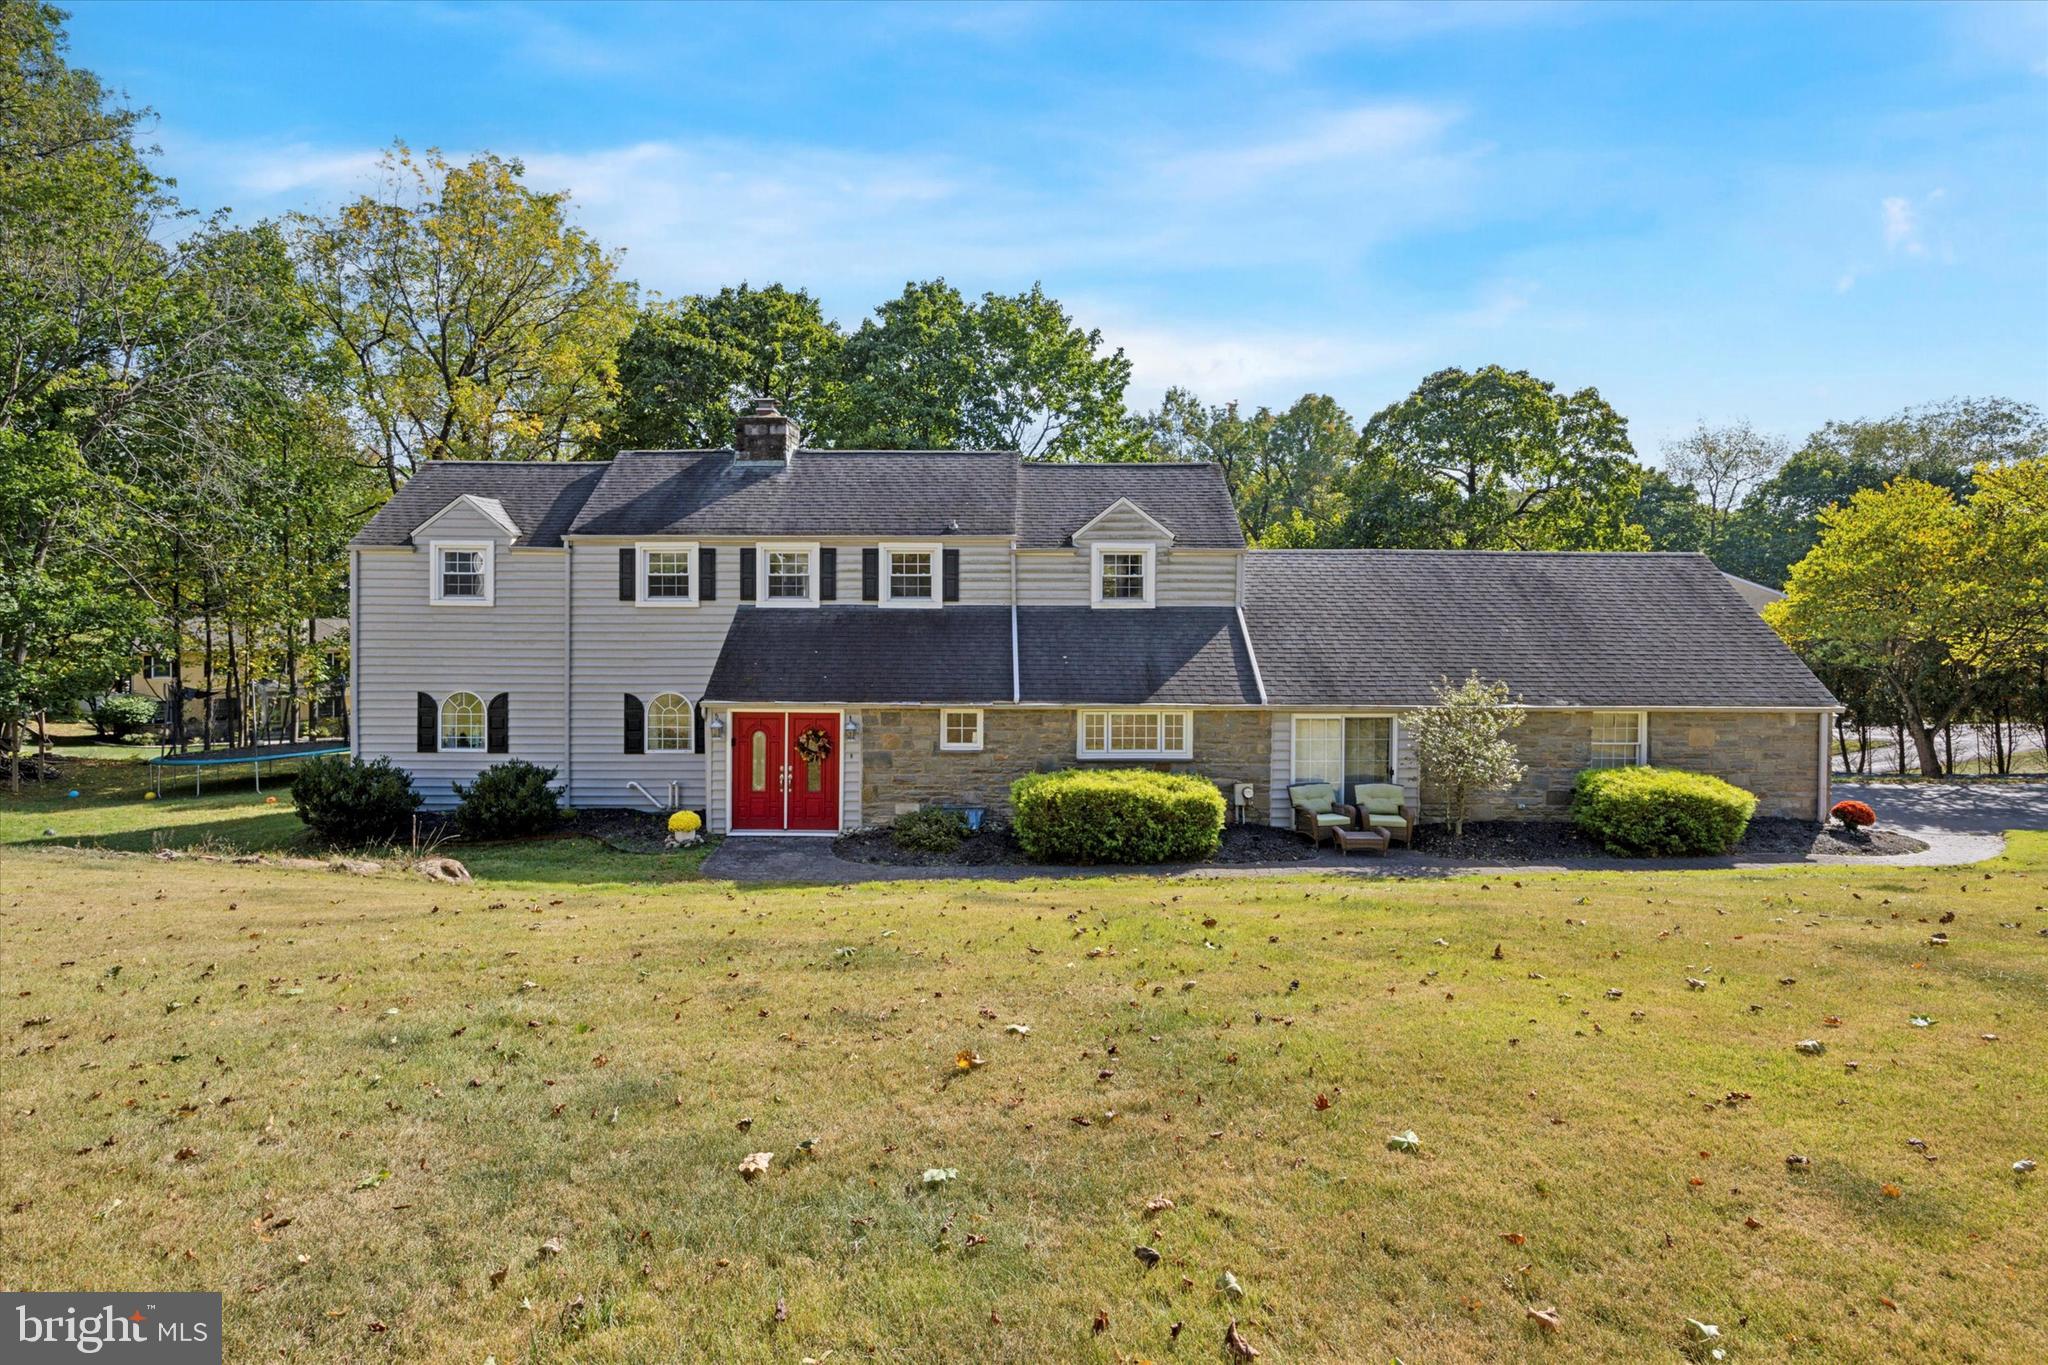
x=1774, y=754
x=903, y=767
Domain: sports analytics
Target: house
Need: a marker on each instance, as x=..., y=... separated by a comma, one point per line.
x=322, y=703
x=796, y=640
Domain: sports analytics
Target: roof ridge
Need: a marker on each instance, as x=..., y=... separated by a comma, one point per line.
x=1519, y=554
x=517, y=464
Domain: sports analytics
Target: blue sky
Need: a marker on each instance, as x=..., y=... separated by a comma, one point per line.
x=1780, y=213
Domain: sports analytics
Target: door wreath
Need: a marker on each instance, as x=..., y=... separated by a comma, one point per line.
x=814, y=745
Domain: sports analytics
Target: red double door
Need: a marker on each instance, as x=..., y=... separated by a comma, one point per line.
x=785, y=770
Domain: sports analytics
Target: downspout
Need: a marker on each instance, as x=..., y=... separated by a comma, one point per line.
x=1825, y=785
x=1016, y=667
x=568, y=672
x=355, y=654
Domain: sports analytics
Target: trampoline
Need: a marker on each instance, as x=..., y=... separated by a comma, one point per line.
x=253, y=755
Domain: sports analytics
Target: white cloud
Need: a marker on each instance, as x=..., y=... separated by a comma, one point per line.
x=1901, y=227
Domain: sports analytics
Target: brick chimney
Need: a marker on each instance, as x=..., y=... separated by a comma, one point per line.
x=766, y=435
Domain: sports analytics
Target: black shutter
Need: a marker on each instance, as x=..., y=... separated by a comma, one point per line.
x=952, y=558
x=629, y=574
x=429, y=725
x=747, y=574
x=707, y=574
x=636, y=725
x=828, y=574
x=498, y=724
x=698, y=747
x=870, y=575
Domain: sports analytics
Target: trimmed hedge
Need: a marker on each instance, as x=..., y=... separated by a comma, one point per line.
x=350, y=804
x=122, y=714
x=1116, y=815
x=508, y=800
x=1660, y=812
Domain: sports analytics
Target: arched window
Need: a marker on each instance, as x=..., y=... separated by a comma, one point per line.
x=668, y=723
x=462, y=721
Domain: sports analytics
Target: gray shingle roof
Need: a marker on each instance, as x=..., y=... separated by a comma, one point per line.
x=1379, y=627
x=1190, y=500
x=542, y=498
x=821, y=493
x=1187, y=656
x=864, y=654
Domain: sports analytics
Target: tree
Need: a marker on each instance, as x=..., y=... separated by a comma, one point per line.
x=1670, y=513
x=1462, y=744
x=1721, y=464
x=1876, y=592
x=689, y=367
x=1938, y=444
x=931, y=371
x=1283, y=469
x=1495, y=459
x=473, y=320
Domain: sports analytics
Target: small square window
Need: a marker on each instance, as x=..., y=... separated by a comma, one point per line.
x=960, y=731
x=910, y=574
x=788, y=574
x=1123, y=577
x=462, y=573
x=668, y=575
x=1617, y=738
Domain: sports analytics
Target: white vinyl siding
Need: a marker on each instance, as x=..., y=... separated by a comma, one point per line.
x=1182, y=578
x=1135, y=734
x=403, y=645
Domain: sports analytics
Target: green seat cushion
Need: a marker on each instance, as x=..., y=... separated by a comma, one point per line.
x=1380, y=798
x=1331, y=817
x=1382, y=820
x=1315, y=798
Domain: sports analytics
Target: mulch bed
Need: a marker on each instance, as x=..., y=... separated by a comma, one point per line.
x=994, y=846
x=628, y=831
x=1503, y=841
x=1511, y=841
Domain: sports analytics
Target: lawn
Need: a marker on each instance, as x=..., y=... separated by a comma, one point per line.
x=395, y=1120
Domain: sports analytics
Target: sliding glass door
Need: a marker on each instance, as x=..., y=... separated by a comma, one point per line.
x=1344, y=750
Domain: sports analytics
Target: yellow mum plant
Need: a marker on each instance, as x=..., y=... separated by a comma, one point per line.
x=684, y=822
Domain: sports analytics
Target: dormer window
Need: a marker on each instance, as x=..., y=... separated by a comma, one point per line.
x=462, y=573
x=789, y=575
x=910, y=575
x=668, y=574
x=1122, y=575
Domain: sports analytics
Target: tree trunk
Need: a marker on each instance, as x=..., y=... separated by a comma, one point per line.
x=206, y=677
x=1923, y=745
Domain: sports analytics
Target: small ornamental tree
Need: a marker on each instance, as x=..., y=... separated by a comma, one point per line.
x=1462, y=743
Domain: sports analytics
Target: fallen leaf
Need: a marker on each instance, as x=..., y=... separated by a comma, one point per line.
x=1890, y=1191
x=939, y=1175
x=1101, y=1321
x=1237, y=1345
x=1513, y=1239
x=968, y=1059
x=755, y=1164
x=551, y=1247
x=1147, y=1257
x=1227, y=1282
x=1322, y=1101
x=1404, y=1142
x=1547, y=1319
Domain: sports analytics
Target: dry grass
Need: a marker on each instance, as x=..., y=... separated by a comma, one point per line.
x=211, y=1067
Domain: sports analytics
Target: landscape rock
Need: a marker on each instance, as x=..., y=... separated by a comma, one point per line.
x=443, y=870
x=360, y=867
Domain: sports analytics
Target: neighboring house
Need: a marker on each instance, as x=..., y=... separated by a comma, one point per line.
x=155, y=677
x=1756, y=594
x=811, y=640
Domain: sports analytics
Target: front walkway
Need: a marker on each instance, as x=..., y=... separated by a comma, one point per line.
x=1960, y=823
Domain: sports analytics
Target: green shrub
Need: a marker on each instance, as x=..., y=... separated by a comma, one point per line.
x=1118, y=815
x=122, y=714
x=350, y=804
x=508, y=801
x=1660, y=812
x=929, y=829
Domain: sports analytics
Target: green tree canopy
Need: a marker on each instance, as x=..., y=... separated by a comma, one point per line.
x=690, y=367
x=473, y=319
x=1495, y=459
x=1283, y=468
x=931, y=371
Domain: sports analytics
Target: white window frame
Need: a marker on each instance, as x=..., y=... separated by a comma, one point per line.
x=1596, y=748
x=762, y=550
x=483, y=743
x=489, y=550
x=1147, y=552
x=686, y=548
x=689, y=743
x=156, y=668
x=888, y=598
x=1393, y=742
x=1108, y=714
x=951, y=747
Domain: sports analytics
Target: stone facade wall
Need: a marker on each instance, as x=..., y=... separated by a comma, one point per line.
x=1775, y=754
x=905, y=768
